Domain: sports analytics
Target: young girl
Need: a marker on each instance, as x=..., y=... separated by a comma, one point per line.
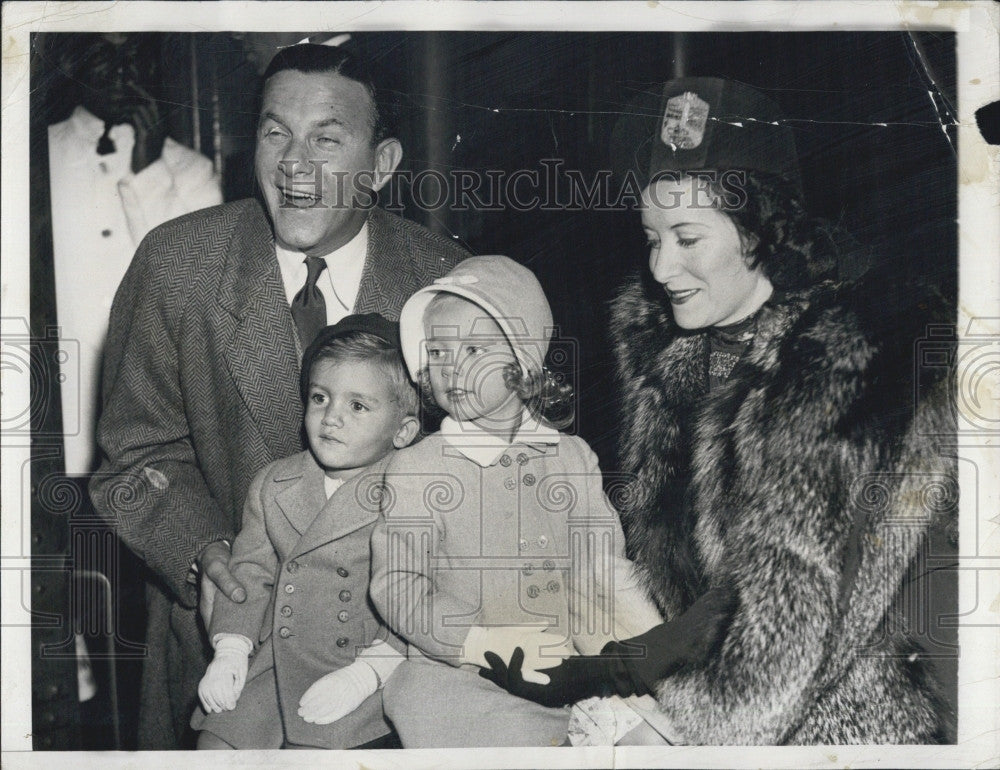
x=496, y=533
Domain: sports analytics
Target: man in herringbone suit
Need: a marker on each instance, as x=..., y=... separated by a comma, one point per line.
x=200, y=387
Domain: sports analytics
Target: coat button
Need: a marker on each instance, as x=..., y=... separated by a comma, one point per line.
x=533, y=591
x=505, y=461
x=284, y=632
x=343, y=642
x=286, y=611
x=509, y=483
x=342, y=572
x=542, y=541
x=342, y=616
x=106, y=233
x=553, y=586
x=548, y=565
x=529, y=480
x=522, y=459
x=528, y=569
x=345, y=596
x=523, y=544
x=292, y=566
x=289, y=589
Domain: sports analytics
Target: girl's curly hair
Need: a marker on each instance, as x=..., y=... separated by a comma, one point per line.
x=546, y=394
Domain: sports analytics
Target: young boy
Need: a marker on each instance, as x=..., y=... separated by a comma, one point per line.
x=306, y=642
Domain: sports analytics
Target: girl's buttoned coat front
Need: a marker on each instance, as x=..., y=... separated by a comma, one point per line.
x=528, y=540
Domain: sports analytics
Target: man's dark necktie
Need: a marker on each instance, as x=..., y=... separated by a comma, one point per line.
x=308, y=306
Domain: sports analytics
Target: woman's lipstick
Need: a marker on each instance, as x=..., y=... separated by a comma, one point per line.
x=680, y=297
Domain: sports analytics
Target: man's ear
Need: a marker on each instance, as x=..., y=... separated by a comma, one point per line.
x=388, y=155
x=407, y=432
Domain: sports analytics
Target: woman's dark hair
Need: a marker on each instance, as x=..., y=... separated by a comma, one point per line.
x=308, y=58
x=793, y=249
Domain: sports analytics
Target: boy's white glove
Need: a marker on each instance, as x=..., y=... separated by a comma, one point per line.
x=338, y=693
x=541, y=649
x=223, y=682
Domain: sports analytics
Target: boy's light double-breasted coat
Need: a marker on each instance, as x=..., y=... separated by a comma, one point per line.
x=305, y=562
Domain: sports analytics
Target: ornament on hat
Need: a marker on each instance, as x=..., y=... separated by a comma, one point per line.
x=684, y=121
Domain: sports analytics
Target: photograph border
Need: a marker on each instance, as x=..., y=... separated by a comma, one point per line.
x=978, y=83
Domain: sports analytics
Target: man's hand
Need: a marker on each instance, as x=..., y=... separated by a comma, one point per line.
x=213, y=564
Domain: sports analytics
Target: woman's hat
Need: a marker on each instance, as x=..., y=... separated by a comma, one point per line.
x=703, y=124
x=508, y=292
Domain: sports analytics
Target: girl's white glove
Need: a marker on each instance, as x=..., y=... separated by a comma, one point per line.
x=338, y=693
x=223, y=682
x=541, y=649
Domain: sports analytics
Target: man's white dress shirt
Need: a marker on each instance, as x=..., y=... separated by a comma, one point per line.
x=338, y=284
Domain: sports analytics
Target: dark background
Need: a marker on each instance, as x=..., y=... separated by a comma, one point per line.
x=871, y=114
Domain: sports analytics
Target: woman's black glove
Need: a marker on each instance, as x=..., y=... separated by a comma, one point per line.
x=631, y=667
x=575, y=679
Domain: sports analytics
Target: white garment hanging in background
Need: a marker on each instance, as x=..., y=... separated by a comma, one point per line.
x=100, y=213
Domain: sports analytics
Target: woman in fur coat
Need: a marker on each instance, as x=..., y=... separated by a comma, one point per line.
x=784, y=452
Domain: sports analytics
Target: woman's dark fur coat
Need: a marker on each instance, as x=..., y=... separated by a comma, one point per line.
x=757, y=486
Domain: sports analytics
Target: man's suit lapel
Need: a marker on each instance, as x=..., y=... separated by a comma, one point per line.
x=387, y=270
x=261, y=351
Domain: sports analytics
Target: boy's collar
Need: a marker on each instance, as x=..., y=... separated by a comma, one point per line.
x=331, y=485
x=484, y=448
x=304, y=464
